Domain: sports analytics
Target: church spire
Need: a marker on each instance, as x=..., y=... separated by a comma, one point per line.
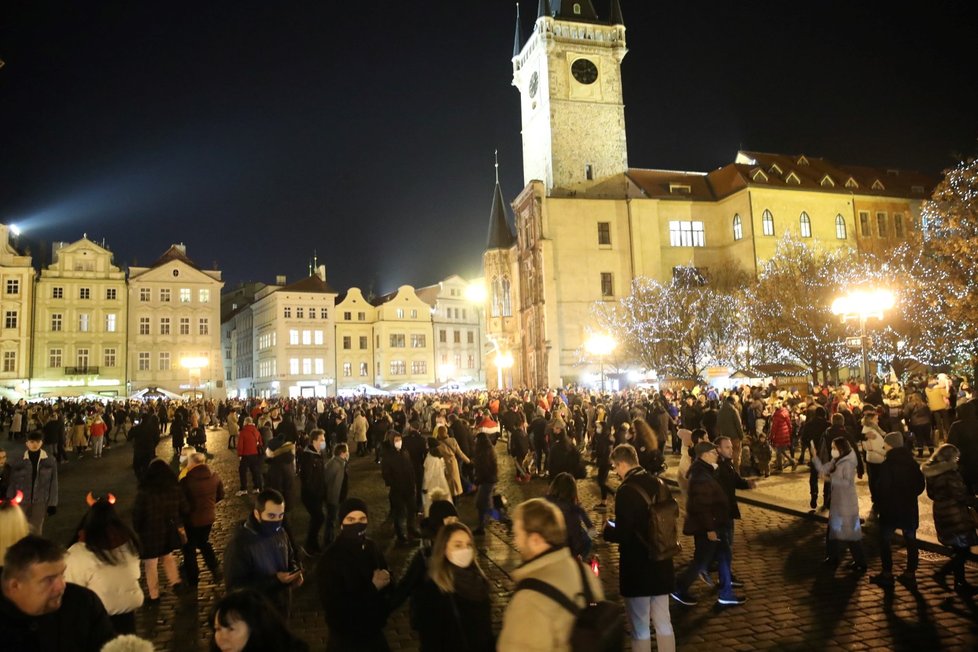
x=543, y=9
x=518, y=38
x=500, y=237
x=616, y=17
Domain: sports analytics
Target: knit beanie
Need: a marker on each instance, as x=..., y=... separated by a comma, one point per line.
x=437, y=513
x=894, y=439
x=703, y=447
x=351, y=505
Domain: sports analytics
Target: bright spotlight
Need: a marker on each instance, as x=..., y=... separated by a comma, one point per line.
x=15, y=230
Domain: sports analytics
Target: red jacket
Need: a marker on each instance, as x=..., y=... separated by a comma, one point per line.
x=249, y=441
x=780, y=428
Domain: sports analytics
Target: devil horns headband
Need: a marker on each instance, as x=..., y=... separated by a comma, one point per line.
x=91, y=500
x=17, y=499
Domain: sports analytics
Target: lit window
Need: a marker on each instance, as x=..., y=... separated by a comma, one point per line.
x=398, y=368
x=414, y=314
x=418, y=341
x=419, y=367
x=320, y=366
x=293, y=337
x=184, y=295
x=110, y=323
x=293, y=366
x=470, y=362
x=840, y=227
x=738, y=228
x=306, y=338
x=806, y=225
x=767, y=223
x=347, y=369
x=363, y=368
x=400, y=313
x=317, y=338
x=686, y=234
x=83, y=322
x=306, y=366
x=204, y=296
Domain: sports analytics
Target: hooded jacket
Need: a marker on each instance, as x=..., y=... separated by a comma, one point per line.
x=203, y=489
x=951, y=500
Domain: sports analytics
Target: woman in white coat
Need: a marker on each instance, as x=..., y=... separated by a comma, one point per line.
x=105, y=558
x=844, y=526
x=434, y=476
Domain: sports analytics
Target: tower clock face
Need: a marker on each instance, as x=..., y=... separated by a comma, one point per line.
x=584, y=71
x=534, y=84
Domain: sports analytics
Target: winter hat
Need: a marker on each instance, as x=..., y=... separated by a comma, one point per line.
x=351, y=505
x=893, y=439
x=703, y=447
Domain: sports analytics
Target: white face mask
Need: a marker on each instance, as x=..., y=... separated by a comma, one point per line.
x=835, y=453
x=461, y=557
x=714, y=465
x=397, y=445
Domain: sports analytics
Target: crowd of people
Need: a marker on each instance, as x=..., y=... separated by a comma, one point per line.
x=431, y=452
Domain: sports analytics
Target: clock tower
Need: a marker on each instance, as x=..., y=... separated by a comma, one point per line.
x=569, y=77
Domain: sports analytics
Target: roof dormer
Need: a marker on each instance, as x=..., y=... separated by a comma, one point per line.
x=792, y=178
x=680, y=189
x=827, y=182
x=758, y=175
x=775, y=169
x=802, y=160
x=852, y=184
x=878, y=185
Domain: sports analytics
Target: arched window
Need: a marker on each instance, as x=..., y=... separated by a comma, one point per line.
x=806, y=225
x=767, y=223
x=738, y=228
x=496, y=296
x=840, y=227
x=507, y=307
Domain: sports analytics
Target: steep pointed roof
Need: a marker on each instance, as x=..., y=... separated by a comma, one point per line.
x=543, y=9
x=310, y=284
x=518, y=37
x=564, y=10
x=500, y=237
x=175, y=252
x=616, y=17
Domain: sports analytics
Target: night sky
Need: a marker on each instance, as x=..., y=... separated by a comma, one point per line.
x=258, y=132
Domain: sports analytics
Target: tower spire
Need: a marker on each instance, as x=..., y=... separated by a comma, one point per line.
x=500, y=237
x=543, y=9
x=518, y=38
x=616, y=17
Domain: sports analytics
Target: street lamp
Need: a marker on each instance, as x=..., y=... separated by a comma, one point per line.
x=861, y=305
x=600, y=344
x=503, y=360
x=194, y=364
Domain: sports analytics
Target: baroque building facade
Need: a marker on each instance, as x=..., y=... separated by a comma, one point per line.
x=586, y=224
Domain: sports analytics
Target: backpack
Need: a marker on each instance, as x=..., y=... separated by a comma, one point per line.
x=662, y=538
x=598, y=626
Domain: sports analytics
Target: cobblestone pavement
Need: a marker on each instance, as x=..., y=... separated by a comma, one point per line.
x=795, y=602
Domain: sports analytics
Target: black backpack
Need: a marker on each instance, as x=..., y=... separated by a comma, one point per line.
x=662, y=536
x=598, y=627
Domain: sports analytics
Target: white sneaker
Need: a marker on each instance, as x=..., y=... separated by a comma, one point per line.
x=243, y=492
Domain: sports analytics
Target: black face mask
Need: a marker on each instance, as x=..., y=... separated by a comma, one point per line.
x=268, y=528
x=354, y=530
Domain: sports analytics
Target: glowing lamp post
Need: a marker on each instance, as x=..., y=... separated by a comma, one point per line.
x=194, y=365
x=600, y=345
x=503, y=360
x=861, y=305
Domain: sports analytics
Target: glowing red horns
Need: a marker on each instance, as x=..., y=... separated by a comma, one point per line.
x=91, y=500
x=18, y=497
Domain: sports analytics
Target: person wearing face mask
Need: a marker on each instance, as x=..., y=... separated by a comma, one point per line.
x=312, y=482
x=398, y=472
x=451, y=608
x=707, y=521
x=260, y=556
x=203, y=489
x=354, y=585
x=844, y=525
x=899, y=482
x=337, y=481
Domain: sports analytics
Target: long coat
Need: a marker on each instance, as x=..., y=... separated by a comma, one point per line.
x=156, y=515
x=844, y=510
x=898, y=484
x=951, y=500
x=638, y=574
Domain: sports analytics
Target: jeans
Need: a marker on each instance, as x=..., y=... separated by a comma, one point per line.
x=483, y=502
x=314, y=505
x=97, y=443
x=250, y=463
x=656, y=607
x=886, y=554
x=704, y=552
x=198, y=538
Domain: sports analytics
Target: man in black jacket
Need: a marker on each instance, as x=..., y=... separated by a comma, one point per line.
x=899, y=483
x=643, y=582
x=312, y=479
x=417, y=448
x=731, y=481
x=398, y=472
x=354, y=585
x=813, y=432
x=707, y=520
x=260, y=555
x=39, y=611
x=145, y=439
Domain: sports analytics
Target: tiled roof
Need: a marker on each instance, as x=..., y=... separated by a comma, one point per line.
x=171, y=254
x=310, y=284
